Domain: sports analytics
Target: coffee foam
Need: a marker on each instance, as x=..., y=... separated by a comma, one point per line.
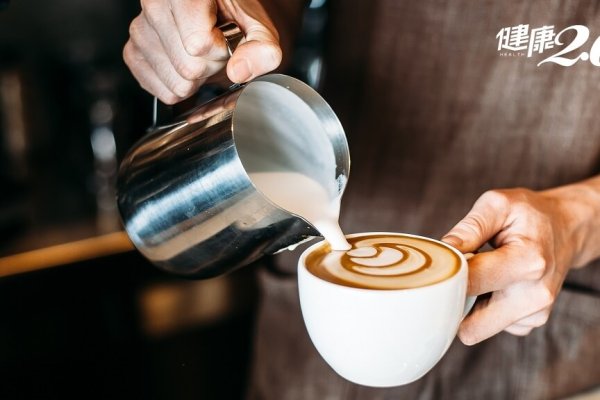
x=385, y=262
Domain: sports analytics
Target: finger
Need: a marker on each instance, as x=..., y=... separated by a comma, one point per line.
x=503, y=309
x=534, y=320
x=158, y=31
x=519, y=330
x=512, y=262
x=487, y=217
x=148, y=43
x=196, y=22
x=489, y=318
x=525, y=325
x=145, y=75
x=260, y=52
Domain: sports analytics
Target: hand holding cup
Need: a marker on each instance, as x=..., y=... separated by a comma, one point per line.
x=385, y=312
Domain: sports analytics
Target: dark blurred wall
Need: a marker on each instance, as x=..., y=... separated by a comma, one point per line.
x=59, y=25
x=64, y=91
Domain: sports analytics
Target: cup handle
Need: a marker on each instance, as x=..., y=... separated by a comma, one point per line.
x=470, y=301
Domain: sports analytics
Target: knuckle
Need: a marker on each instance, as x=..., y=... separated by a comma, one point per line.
x=189, y=70
x=153, y=11
x=183, y=88
x=135, y=29
x=131, y=56
x=127, y=56
x=518, y=330
x=185, y=71
x=144, y=85
x=534, y=215
x=497, y=198
x=523, y=200
x=542, y=319
x=518, y=194
x=525, y=331
x=168, y=98
x=537, y=266
x=544, y=297
x=198, y=43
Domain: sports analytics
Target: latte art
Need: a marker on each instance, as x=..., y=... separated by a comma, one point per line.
x=385, y=262
x=385, y=259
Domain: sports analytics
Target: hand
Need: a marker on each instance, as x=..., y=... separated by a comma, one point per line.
x=174, y=45
x=537, y=237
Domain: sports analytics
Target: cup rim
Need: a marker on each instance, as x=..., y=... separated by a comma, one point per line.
x=463, y=265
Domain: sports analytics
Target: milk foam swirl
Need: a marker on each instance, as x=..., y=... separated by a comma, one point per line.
x=385, y=259
x=385, y=262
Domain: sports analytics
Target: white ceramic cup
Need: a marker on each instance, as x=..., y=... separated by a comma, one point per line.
x=383, y=338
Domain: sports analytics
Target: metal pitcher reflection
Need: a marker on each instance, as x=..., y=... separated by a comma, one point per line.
x=185, y=191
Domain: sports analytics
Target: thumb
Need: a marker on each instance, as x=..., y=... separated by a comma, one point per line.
x=482, y=223
x=260, y=52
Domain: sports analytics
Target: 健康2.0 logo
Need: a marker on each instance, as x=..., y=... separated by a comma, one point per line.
x=523, y=41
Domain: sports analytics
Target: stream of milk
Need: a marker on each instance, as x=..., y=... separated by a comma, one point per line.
x=303, y=196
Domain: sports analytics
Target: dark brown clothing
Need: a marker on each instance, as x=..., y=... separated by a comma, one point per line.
x=435, y=116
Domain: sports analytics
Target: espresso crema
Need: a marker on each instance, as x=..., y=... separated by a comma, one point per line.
x=385, y=262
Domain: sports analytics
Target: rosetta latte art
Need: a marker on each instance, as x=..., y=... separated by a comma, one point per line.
x=385, y=262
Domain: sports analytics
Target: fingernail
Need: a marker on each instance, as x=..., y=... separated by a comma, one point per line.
x=452, y=240
x=241, y=71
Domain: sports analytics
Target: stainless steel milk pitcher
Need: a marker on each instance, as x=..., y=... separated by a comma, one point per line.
x=184, y=191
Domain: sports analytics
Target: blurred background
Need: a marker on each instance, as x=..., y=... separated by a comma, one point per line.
x=80, y=313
